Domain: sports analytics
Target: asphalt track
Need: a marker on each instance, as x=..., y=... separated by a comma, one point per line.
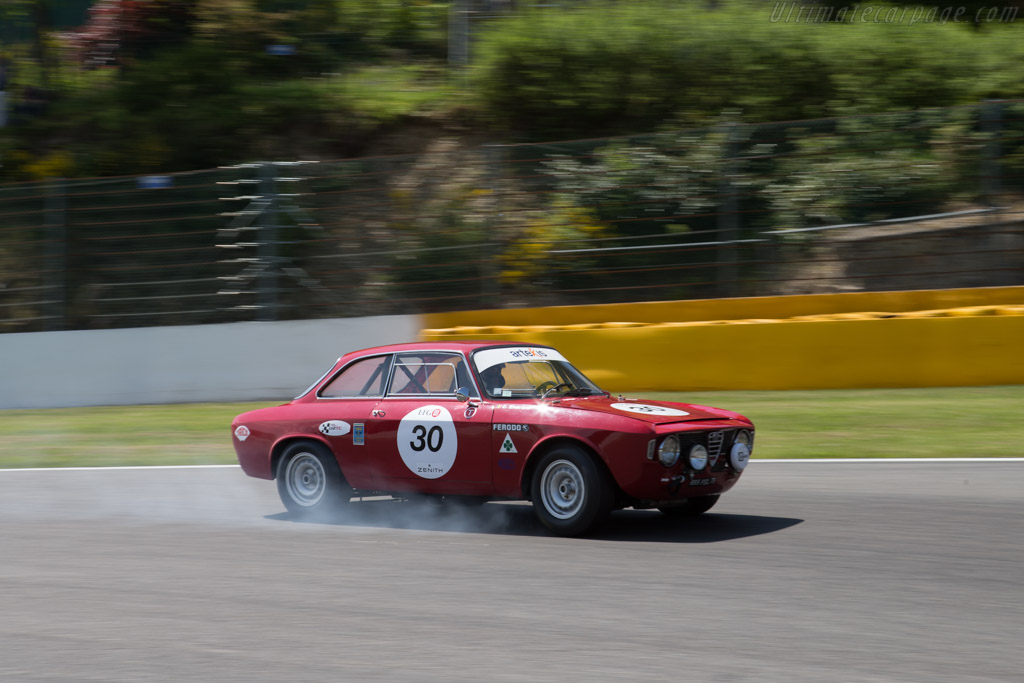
x=846, y=572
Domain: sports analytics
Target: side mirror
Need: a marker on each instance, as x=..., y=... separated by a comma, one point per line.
x=462, y=394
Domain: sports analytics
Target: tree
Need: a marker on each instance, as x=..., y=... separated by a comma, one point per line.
x=122, y=31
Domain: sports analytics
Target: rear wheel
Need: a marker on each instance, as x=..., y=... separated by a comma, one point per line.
x=309, y=480
x=692, y=507
x=571, y=493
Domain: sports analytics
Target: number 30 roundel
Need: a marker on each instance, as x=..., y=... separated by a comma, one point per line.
x=427, y=441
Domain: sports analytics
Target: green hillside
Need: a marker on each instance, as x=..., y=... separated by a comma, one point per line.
x=183, y=84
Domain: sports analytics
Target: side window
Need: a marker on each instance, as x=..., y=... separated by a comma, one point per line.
x=429, y=374
x=364, y=377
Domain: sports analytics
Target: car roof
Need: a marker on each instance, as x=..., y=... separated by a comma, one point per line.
x=463, y=346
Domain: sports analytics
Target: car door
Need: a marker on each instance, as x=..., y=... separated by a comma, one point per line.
x=421, y=437
x=342, y=409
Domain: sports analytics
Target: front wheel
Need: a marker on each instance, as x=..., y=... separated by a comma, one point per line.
x=309, y=480
x=692, y=507
x=571, y=493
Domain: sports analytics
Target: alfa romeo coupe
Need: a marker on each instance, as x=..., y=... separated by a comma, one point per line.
x=490, y=421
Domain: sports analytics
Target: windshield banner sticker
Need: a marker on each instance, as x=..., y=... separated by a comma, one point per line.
x=514, y=354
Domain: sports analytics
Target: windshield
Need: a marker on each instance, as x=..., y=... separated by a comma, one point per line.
x=530, y=373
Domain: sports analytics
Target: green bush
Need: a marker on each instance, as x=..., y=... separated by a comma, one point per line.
x=613, y=67
x=216, y=96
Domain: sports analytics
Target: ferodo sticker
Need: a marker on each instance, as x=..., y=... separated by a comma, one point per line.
x=242, y=432
x=509, y=427
x=427, y=441
x=335, y=428
x=649, y=409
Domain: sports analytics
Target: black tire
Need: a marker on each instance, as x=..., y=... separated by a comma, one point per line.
x=692, y=507
x=571, y=493
x=309, y=480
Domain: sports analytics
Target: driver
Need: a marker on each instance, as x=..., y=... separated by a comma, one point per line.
x=492, y=379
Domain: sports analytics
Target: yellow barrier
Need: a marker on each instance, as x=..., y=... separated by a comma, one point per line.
x=772, y=307
x=959, y=347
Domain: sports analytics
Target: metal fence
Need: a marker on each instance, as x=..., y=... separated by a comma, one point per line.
x=895, y=201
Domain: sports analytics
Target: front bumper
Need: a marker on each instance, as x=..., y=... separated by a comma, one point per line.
x=654, y=485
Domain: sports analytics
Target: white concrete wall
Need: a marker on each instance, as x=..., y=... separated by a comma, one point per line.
x=193, y=363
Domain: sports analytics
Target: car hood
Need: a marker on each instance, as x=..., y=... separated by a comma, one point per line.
x=653, y=412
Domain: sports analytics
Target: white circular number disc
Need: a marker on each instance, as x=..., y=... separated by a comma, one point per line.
x=649, y=409
x=427, y=441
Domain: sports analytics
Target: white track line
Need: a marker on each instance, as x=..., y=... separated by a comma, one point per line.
x=754, y=461
x=117, y=467
x=880, y=460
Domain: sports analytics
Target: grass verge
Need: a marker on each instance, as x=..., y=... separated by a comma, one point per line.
x=188, y=434
x=878, y=423
x=956, y=422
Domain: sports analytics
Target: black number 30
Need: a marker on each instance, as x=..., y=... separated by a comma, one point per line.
x=425, y=439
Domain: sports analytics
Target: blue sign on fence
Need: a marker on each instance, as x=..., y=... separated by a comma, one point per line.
x=154, y=182
x=281, y=50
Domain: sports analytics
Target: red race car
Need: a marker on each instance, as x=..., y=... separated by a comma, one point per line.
x=490, y=421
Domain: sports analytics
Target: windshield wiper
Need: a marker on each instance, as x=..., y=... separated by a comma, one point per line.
x=581, y=391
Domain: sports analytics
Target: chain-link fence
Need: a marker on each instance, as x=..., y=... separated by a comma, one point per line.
x=893, y=201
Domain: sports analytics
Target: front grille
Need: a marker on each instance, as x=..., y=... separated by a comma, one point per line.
x=714, y=446
x=717, y=442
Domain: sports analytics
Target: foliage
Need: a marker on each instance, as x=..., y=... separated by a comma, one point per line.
x=384, y=94
x=121, y=31
x=198, y=83
x=668, y=175
x=869, y=168
x=784, y=175
x=606, y=67
x=1013, y=147
x=195, y=83
x=526, y=265
x=662, y=186
x=572, y=71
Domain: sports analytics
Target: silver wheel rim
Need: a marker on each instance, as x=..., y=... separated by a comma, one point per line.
x=562, y=490
x=305, y=479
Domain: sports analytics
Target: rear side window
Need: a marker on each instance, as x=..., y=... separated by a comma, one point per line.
x=364, y=377
x=429, y=374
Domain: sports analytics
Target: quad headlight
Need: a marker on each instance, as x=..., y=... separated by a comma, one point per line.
x=739, y=455
x=668, y=451
x=698, y=457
